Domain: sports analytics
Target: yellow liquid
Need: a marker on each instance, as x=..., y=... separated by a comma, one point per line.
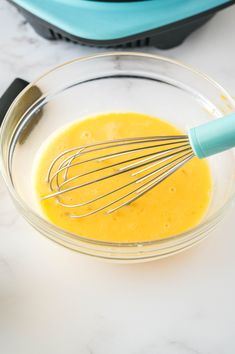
x=175, y=205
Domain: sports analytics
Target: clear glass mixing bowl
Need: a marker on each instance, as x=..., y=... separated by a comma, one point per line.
x=113, y=82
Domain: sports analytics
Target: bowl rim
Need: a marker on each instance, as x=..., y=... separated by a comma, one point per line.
x=57, y=232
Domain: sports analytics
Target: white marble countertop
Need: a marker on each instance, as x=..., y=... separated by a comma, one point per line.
x=55, y=301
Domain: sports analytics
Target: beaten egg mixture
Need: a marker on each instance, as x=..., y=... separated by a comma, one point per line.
x=174, y=206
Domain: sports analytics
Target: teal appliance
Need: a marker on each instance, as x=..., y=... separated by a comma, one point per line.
x=110, y=23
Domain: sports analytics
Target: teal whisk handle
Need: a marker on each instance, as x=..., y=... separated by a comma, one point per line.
x=213, y=137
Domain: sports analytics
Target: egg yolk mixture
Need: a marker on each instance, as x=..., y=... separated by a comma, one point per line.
x=175, y=205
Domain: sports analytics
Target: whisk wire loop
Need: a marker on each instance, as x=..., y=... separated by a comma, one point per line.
x=166, y=155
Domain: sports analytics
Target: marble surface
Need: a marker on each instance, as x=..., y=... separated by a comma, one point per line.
x=55, y=301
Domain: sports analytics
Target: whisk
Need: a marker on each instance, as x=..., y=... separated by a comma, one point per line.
x=147, y=161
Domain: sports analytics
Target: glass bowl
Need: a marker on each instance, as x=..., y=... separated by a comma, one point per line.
x=113, y=82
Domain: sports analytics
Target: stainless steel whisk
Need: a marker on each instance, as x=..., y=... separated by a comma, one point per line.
x=148, y=161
